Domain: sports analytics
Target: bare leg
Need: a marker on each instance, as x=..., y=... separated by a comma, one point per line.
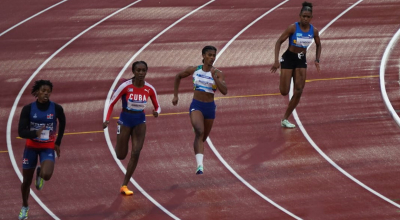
x=121, y=150
x=46, y=170
x=299, y=79
x=208, y=123
x=285, y=80
x=26, y=185
x=197, y=119
x=138, y=135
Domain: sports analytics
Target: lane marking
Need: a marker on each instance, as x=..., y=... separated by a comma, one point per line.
x=303, y=130
x=14, y=107
x=384, y=60
x=4, y=151
x=342, y=78
x=106, y=104
x=9, y=29
x=216, y=151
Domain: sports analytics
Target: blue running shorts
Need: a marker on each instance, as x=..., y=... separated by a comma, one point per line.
x=30, y=158
x=131, y=120
x=206, y=108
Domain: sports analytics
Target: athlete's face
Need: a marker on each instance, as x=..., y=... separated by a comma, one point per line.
x=305, y=17
x=209, y=57
x=43, y=94
x=140, y=71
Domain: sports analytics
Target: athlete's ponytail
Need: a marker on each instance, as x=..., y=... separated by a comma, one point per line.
x=306, y=6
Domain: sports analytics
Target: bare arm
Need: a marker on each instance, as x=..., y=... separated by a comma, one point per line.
x=183, y=74
x=318, y=50
x=285, y=35
x=219, y=80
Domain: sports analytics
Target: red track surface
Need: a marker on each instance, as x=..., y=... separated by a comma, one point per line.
x=345, y=117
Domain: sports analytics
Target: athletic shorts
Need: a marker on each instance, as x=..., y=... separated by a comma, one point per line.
x=30, y=158
x=131, y=119
x=206, y=108
x=290, y=60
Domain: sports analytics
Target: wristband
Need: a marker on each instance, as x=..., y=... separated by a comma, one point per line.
x=317, y=60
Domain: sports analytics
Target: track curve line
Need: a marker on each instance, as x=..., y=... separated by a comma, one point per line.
x=215, y=151
x=313, y=144
x=385, y=97
x=9, y=29
x=106, y=104
x=14, y=107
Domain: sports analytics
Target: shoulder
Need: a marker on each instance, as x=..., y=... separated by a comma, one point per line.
x=58, y=106
x=148, y=85
x=316, y=32
x=192, y=69
x=125, y=84
x=291, y=28
x=26, y=108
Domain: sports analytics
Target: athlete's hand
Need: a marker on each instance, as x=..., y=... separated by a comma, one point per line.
x=275, y=67
x=39, y=132
x=105, y=124
x=57, y=149
x=155, y=114
x=214, y=72
x=175, y=100
x=318, y=68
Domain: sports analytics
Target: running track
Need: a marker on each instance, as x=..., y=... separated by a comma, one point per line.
x=341, y=109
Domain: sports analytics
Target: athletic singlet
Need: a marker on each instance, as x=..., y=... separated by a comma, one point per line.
x=300, y=38
x=134, y=99
x=203, y=81
x=38, y=119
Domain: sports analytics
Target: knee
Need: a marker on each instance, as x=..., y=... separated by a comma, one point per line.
x=199, y=132
x=298, y=92
x=135, y=153
x=283, y=91
x=46, y=175
x=120, y=156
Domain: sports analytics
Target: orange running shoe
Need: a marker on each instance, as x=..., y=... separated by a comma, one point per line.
x=124, y=190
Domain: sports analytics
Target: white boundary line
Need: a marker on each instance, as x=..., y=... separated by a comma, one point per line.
x=9, y=29
x=385, y=97
x=107, y=103
x=303, y=130
x=216, y=151
x=14, y=107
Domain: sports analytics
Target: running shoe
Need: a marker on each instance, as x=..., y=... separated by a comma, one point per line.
x=286, y=124
x=39, y=180
x=23, y=214
x=199, y=170
x=124, y=190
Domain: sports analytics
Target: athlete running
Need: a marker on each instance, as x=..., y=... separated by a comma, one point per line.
x=206, y=79
x=134, y=94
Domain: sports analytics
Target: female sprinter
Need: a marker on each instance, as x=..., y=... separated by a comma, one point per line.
x=38, y=125
x=134, y=94
x=206, y=80
x=293, y=62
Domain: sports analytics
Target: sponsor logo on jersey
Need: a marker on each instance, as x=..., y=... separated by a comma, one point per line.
x=50, y=116
x=25, y=161
x=35, y=116
x=130, y=90
x=147, y=90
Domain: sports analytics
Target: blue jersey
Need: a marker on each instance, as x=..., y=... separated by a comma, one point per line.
x=203, y=81
x=38, y=119
x=300, y=38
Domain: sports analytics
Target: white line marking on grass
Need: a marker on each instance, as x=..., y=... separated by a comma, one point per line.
x=216, y=151
x=14, y=107
x=303, y=130
x=107, y=103
x=9, y=29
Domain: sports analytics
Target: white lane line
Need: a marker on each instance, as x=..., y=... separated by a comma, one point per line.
x=303, y=130
x=107, y=103
x=9, y=29
x=216, y=151
x=385, y=97
x=14, y=107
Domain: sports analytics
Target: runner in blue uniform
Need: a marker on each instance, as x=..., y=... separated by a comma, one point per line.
x=38, y=125
x=206, y=80
x=293, y=62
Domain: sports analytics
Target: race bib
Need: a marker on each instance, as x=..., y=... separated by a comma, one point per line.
x=45, y=135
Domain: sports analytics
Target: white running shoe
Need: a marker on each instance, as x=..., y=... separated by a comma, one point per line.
x=286, y=124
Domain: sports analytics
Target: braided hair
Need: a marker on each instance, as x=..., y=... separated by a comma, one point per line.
x=40, y=83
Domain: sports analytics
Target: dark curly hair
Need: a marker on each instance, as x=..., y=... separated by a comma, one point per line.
x=40, y=83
